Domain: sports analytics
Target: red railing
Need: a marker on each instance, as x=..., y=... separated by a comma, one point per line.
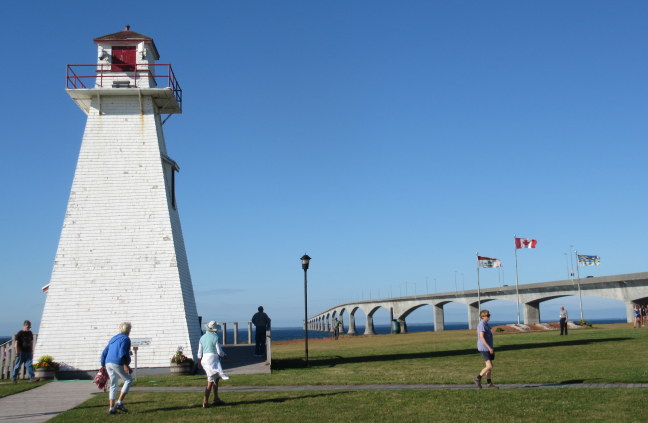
x=75, y=76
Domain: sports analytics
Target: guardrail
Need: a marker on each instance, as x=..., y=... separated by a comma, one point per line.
x=224, y=336
x=8, y=360
x=97, y=76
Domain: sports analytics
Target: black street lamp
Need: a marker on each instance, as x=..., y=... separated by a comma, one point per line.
x=305, y=260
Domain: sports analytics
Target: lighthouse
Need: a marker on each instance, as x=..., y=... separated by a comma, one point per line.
x=121, y=255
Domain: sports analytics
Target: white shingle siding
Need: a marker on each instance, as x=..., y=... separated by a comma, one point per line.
x=121, y=255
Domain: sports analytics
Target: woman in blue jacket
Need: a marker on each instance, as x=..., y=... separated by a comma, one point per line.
x=116, y=359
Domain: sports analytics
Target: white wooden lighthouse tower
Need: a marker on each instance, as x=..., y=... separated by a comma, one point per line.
x=121, y=255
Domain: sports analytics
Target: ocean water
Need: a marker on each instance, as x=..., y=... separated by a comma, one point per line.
x=290, y=333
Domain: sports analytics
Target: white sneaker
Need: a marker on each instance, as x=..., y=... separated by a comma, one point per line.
x=224, y=376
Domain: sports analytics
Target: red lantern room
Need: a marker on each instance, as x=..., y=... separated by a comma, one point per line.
x=126, y=60
x=123, y=51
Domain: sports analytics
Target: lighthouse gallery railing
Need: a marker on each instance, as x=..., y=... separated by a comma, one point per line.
x=92, y=76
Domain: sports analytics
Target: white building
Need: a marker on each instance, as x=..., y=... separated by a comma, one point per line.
x=121, y=255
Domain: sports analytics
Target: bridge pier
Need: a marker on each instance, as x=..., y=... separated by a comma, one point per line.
x=439, y=324
x=630, y=311
x=352, y=329
x=473, y=315
x=369, y=327
x=532, y=313
x=403, y=325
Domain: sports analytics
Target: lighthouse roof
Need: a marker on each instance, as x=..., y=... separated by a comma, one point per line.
x=127, y=37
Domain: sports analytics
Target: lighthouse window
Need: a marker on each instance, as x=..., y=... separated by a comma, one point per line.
x=173, y=198
x=170, y=168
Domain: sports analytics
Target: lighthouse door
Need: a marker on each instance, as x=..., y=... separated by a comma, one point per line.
x=123, y=58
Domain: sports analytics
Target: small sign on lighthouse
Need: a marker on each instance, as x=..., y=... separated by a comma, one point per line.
x=121, y=254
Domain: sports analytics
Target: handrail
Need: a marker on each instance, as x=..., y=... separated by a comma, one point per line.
x=224, y=337
x=75, y=80
x=7, y=357
x=8, y=360
x=223, y=326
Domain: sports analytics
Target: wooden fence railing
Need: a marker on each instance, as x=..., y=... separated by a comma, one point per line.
x=8, y=359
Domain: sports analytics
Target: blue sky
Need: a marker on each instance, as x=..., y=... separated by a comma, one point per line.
x=389, y=140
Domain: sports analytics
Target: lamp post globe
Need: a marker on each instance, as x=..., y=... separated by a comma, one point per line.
x=305, y=260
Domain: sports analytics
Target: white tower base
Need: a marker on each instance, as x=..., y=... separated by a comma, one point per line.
x=121, y=254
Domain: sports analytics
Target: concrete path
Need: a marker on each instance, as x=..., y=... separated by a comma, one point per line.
x=241, y=361
x=43, y=403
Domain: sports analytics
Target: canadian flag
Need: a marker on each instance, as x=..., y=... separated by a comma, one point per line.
x=525, y=243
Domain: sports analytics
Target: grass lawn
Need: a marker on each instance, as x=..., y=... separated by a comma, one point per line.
x=9, y=388
x=605, y=354
x=542, y=405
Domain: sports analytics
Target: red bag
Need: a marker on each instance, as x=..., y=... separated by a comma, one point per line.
x=101, y=379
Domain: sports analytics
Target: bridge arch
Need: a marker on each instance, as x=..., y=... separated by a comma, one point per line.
x=341, y=317
x=369, y=323
x=352, y=316
x=531, y=303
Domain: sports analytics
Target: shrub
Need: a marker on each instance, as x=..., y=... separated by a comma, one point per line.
x=499, y=330
x=180, y=358
x=584, y=323
x=46, y=362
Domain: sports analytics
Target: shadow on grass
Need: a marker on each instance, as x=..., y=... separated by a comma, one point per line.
x=285, y=364
x=234, y=403
x=126, y=402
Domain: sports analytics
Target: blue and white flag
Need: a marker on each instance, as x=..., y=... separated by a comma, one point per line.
x=589, y=260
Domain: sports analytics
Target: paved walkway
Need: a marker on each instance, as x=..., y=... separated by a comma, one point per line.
x=45, y=402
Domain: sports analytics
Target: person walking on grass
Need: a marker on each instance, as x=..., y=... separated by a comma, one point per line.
x=564, y=318
x=486, y=347
x=24, y=349
x=637, y=316
x=209, y=354
x=116, y=359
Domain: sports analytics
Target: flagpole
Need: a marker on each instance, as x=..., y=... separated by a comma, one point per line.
x=517, y=290
x=580, y=297
x=478, y=287
x=571, y=258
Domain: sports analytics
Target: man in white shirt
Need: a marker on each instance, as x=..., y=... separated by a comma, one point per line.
x=564, y=317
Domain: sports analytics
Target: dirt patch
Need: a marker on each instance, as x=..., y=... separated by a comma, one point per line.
x=505, y=329
x=532, y=328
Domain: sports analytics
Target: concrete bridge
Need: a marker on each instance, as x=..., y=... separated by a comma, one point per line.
x=630, y=288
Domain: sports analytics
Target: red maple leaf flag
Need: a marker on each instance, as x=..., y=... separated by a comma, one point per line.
x=525, y=243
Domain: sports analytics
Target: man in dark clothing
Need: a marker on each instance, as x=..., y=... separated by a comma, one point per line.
x=24, y=349
x=262, y=323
